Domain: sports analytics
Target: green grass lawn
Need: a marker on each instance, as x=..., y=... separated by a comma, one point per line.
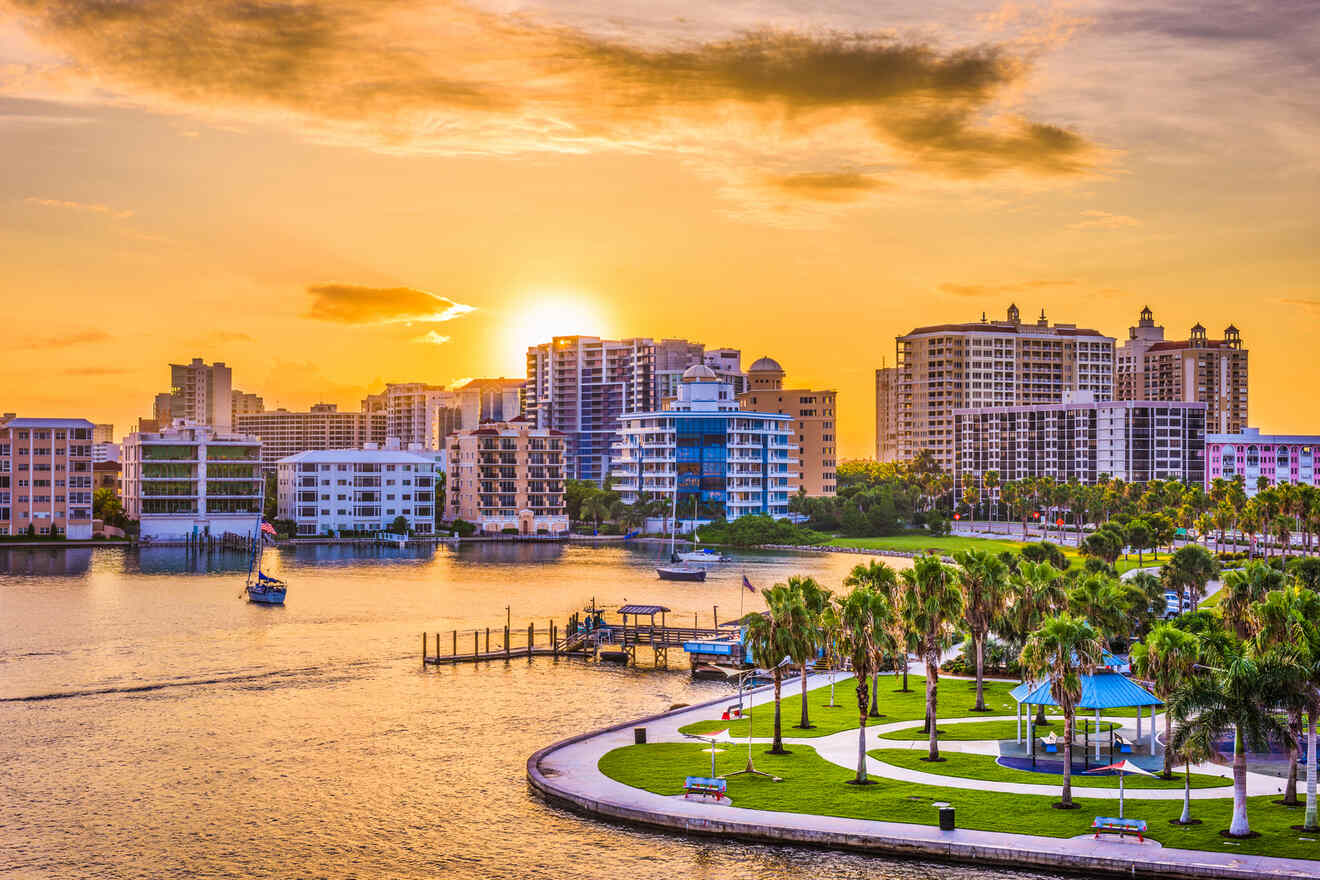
x=955, y=699
x=994, y=730
x=813, y=785
x=968, y=766
x=947, y=544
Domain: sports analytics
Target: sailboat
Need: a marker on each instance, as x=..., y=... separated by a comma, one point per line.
x=677, y=572
x=705, y=554
x=261, y=588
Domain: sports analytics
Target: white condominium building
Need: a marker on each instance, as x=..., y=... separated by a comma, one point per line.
x=190, y=480
x=338, y=491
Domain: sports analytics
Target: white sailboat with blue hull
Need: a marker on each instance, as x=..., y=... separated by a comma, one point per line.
x=262, y=588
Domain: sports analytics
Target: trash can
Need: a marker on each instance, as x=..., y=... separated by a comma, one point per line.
x=946, y=818
x=639, y=735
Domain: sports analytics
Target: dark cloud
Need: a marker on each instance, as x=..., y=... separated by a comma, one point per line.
x=446, y=75
x=825, y=186
x=66, y=341
x=351, y=304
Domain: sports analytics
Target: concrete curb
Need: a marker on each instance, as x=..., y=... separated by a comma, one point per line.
x=894, y=839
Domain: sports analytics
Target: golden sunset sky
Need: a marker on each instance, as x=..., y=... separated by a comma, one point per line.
x=331, y=194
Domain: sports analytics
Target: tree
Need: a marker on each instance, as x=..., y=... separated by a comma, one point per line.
x=1189, y=569
x=1062, y=650
x=1282, y=527
x=1166, y=658
x=770, y=638
x=1281, y=621
x=882, y=581
x=983, y=579
x=596, y=507
x=990, y=480
x=400, y=525
x=808, y=634
x=1305, y=570
x=931, y=602
x=863, y=622
x=1105, y=543
x=1141, y=537
x=1098, y=599
x=1235, y=698
x=1243, y=588
x=1045, y=551
x=1034, y=591
x=107, y=507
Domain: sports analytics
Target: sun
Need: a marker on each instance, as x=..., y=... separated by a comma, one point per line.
x=544, y=314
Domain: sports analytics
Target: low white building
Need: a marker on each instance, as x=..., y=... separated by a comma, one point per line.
x=190, y=480
x=333, y=491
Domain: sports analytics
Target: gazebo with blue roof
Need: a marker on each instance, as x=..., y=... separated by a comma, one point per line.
x=1102, y=689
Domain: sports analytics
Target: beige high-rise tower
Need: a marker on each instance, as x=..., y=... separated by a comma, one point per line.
x=814, y=421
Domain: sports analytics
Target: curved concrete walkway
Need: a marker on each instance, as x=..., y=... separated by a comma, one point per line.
x=567, y=774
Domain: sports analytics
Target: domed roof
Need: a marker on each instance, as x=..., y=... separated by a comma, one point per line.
x=698, y=372
x=765, y=365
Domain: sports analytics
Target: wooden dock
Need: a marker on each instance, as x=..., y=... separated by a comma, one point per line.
x=582, y=637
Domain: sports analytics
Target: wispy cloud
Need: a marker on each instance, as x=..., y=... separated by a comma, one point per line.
x=69, y=340
x=841, y=186
x=431, y=338
x=352, y=304
x=978, y=290
x=95, y=371
x=1104, y=220
x=1309, y=305
x=81, y=207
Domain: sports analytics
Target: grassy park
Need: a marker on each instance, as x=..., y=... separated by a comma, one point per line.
x=968, y=766
x=947, y=544
x=992, y=730
x=813, y=785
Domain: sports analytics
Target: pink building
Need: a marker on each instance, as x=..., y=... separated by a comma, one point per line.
x=1279, y=458
x=46, y=476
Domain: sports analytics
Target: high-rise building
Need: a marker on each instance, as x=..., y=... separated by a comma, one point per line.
x=1209, y=371
x=189, y=480
x=243, y=403
x=1082, y=439
x=1130, y=358
x=674, y=356
x=814, y=420
x=283, y=433
x=945, y=367
x=200, y=393
x=1279, y=458
x=46, y=476
x=105, y=452
x=417, y=413
x=334, y=491
x=721, y=460
x=507, y=476
x=103, y=433
x=886, y=414
x=489, y=400
x=580, y=386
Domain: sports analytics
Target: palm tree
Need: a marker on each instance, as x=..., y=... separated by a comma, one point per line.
x=1282, y=621
x=863, y=619
x=1166, y=658
x=983, y=578
x=814, y=599
x=1238, y=698
x=1141, y=537
x=1250, y=520
x=1096, y=598
x=931, y=602
x=831, y=633
x=1282, y=527
x=883, y=581
x=596, y=507
x=770, y=637
x=990, y=480
x=1243, y=588
x=1063, y=650
x=1034, y=592
x=1194, y=750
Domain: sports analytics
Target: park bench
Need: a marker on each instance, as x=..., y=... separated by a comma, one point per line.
x=1110, y=825
x=1051, y=743
x=705, y=786
x=1122, y=746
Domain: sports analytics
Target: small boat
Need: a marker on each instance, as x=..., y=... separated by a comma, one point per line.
x=614, y=656
x=702, y=556
x=680, y=573
x=710, y=672
x=266, y=590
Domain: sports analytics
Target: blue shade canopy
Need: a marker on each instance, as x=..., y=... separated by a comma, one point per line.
x=1101, y=690
x=642, y=609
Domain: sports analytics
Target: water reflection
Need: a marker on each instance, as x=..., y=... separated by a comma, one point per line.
x=46, y=561
x=181, y=731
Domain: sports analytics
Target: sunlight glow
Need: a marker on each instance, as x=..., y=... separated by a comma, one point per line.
x=548, y=313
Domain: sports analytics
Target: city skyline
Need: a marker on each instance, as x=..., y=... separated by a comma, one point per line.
x=373, y=195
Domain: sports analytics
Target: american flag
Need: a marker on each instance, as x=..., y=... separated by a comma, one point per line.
x=748, y=584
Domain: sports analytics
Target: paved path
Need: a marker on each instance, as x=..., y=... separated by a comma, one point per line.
x=567, y=774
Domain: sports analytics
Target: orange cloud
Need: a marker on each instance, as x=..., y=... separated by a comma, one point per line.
x=83, y=207
x=351, y=304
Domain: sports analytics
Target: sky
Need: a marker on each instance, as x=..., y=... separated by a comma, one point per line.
x=331, y=194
